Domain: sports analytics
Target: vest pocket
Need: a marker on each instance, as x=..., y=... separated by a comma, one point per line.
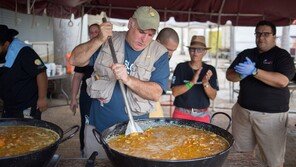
x=101, y=88
x=141, y=72
x=138, y=105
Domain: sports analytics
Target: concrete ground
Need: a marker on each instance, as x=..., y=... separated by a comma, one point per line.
x=63, y=117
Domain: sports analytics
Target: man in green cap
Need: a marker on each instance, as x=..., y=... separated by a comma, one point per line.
x=143, y=68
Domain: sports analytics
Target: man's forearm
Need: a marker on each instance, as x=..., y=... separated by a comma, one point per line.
x=76, y=84
x=82, y=53
x=232, y=76
x=145, y=89
x=42, y=84
x=273, y=79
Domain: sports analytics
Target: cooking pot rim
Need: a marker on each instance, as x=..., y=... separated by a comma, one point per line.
x=180, y=160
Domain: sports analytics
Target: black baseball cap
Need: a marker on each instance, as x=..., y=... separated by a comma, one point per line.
x=6, y=33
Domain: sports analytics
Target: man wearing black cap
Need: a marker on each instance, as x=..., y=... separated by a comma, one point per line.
x=23, y=81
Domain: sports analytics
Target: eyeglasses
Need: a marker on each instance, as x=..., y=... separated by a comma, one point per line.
x=264, y=34
x=196, y=50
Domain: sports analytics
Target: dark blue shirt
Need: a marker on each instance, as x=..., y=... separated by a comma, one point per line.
x=18, y=84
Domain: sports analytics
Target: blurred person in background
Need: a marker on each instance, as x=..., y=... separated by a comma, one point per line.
x=169, y=38
x=79, y=81
x=23, y=80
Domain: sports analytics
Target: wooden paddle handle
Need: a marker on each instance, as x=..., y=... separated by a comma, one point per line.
x=111, y=45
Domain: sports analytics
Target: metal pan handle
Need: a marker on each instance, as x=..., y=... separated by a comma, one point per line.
x=91, y=160
x=75, y=128
x=223, y=113
x=98, y=136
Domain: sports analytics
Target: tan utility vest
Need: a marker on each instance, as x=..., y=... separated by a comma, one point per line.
x=102, y=82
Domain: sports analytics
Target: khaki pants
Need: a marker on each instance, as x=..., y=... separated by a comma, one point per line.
x=268, y=131
x=91, y=143
x=158, y=113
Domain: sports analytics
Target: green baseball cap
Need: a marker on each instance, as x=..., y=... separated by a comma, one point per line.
x=147, y=18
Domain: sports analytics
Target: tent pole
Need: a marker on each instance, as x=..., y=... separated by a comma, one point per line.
x=181, y=12
x=216, y=62
x=182, y=41
x=81, y=24
x=217, y=42
x=28, y=7
x=218, y=33
x=217, y=46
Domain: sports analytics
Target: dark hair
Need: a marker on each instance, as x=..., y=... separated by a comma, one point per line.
x=10, y=39
x=95, y=24
x=6, y=34
x=167, y=33
x=267, y=23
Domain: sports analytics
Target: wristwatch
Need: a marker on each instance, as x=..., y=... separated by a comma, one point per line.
x=255, y=72
x=206, y=85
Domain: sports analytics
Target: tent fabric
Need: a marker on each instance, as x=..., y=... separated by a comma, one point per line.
x=239, y=12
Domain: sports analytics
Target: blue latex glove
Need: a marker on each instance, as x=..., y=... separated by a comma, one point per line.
x=245, y=69
x=241, y=76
